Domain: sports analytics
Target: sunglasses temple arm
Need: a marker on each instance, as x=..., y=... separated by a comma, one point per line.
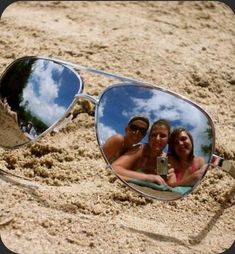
x=226, y=165
x=217, y=161
x=112, y=75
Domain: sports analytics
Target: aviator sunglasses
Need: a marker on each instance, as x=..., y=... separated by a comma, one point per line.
x=135, y=128
x=38, y=95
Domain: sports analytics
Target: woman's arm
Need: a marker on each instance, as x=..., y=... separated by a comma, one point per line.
x=125, y=166
x=192, y=179
x=171, y=176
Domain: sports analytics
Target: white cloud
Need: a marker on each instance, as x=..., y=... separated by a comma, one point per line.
x=41, y=99
x=104, y=132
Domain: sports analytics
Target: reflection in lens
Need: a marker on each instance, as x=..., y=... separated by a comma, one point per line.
x=119, y=103
x=38, y=92
x=118, y=144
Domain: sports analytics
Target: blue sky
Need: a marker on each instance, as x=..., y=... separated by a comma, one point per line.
x=50, y=90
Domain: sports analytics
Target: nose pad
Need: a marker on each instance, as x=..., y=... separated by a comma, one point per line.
x=93, y=99
x=83, y=103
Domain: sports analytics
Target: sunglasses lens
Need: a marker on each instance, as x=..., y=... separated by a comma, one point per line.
x=135, y=128
x=35, y=93
x=119, y=103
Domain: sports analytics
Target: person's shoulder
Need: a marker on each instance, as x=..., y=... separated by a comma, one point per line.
x=117, y=137
x=199, y=160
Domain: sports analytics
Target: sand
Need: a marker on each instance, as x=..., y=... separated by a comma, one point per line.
x=72, y=202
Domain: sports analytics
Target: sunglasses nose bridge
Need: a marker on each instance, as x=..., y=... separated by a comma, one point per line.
x=138, y=132
x=91, y=98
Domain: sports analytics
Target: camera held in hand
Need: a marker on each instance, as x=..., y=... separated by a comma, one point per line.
x=162, y=166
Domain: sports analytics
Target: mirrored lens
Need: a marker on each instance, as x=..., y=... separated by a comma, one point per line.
x=35, y=93
x=180, y=134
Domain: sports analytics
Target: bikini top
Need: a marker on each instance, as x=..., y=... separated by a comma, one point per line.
x=143, y=165
x=179, y=173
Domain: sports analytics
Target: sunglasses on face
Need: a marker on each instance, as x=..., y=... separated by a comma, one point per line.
x=135, y=128
x=44, y=91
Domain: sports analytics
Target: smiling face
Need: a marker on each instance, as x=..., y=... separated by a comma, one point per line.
x=183, y=145
x=158, y=138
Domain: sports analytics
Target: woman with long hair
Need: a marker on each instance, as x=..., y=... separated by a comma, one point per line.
x=188, y=168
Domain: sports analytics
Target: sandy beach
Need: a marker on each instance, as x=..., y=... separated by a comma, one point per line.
x=72, y=203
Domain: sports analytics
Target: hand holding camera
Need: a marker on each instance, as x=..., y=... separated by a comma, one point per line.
x=162, y=166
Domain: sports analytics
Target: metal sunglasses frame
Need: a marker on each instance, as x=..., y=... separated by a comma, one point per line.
x=96, y=101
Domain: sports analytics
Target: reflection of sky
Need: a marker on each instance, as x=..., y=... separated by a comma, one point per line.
x=50, y=90
x=119, y=104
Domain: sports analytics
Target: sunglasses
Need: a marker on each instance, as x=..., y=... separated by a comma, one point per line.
x=39, y=95
x=135, y=128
